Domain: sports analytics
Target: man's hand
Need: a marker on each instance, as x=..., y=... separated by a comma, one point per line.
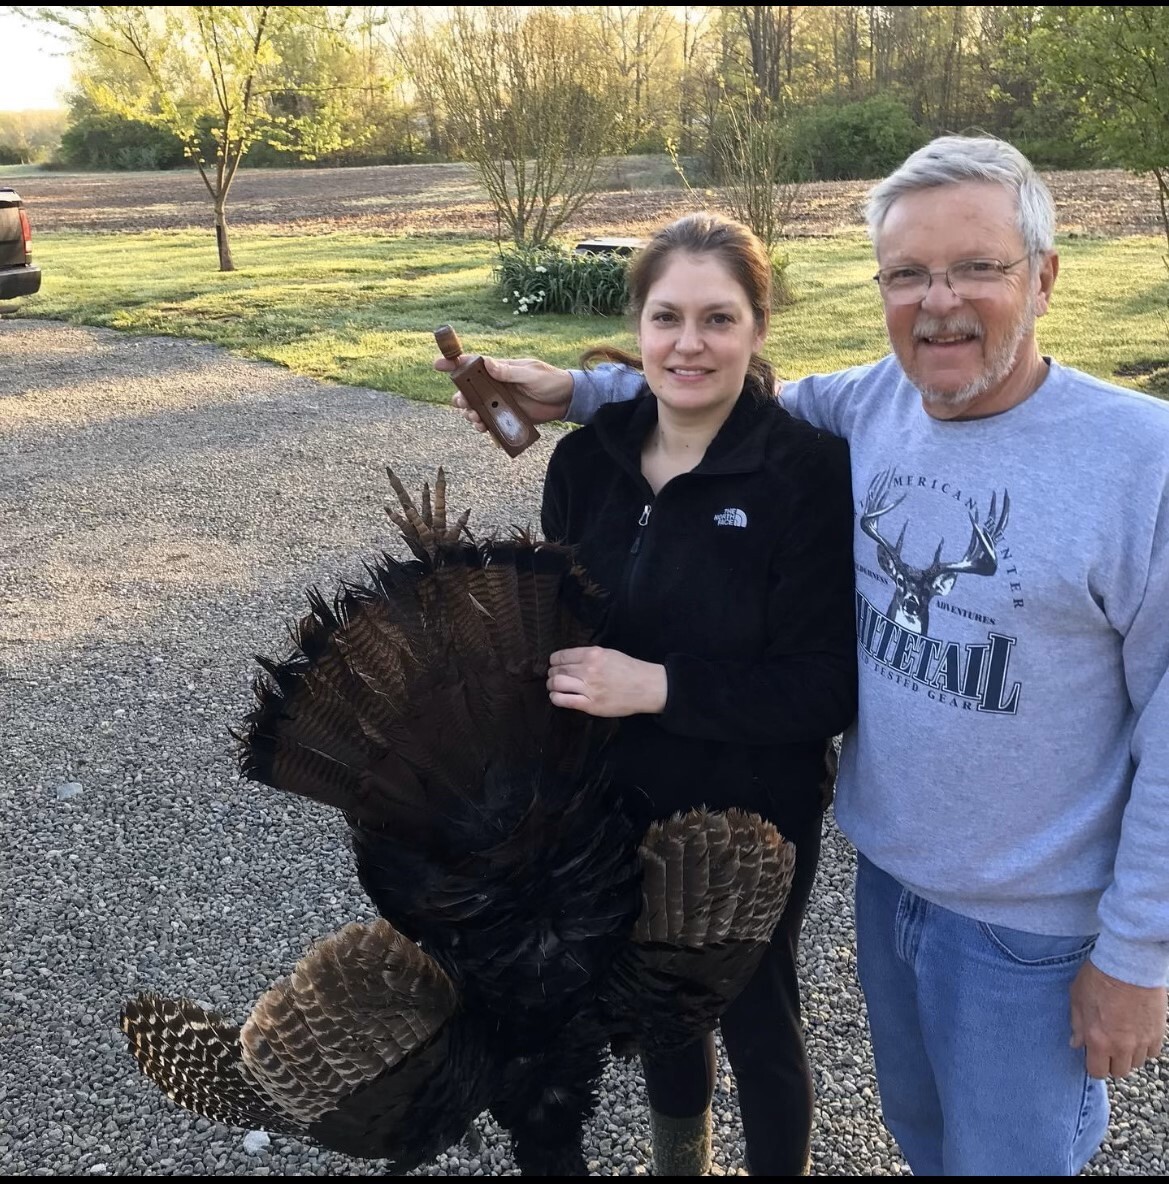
x=605, y=682
x=542, y=392
x=1120, y=1025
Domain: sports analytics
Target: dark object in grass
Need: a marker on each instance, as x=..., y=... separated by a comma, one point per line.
x=608, y=246
x=1155, y=372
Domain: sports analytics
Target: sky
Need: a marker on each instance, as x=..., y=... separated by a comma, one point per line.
x=34, y=72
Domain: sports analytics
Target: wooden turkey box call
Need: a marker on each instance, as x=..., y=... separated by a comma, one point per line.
x=494, y=401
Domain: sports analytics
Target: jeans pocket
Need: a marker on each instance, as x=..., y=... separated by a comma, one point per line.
x=1036, y=949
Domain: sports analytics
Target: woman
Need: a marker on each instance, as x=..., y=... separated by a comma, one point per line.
x=721, y=528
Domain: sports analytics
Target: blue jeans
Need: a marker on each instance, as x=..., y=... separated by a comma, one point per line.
x=971, y=1027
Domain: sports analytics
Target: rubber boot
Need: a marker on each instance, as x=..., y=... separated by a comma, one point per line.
x=806, y=1172
x=681, y=1146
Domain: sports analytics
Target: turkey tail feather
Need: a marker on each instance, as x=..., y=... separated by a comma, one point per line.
x=361, y=1048
x=411, y=685
x=193, y=1056
x=714, y=886
x=354, y=1007
x=523, y=927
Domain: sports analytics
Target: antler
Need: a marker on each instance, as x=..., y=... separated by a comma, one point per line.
x=996, y=526
x=981, y=556
x=876, y=507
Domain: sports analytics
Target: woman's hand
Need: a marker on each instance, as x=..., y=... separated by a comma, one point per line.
x=605, y=682
x=542, y=392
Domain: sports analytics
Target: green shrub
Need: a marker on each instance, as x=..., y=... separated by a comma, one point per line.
x=651, y=142
x=551, y=279
x=854, y=141
x=1056, y=152
x=102, y=141
x=782, y=292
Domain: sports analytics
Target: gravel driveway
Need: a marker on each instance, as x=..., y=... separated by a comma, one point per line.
x=164, y=505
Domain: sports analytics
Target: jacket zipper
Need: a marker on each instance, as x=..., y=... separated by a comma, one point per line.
x=642, y=523
x=635, y=548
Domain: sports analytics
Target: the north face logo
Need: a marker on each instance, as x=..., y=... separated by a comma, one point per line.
x=730, y=517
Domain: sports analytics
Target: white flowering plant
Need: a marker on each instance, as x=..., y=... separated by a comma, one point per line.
x=551, y=279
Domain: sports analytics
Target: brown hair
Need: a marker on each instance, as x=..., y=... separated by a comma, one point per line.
x=741, y=252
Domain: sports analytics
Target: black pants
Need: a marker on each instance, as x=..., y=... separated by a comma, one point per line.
x=764, y=1042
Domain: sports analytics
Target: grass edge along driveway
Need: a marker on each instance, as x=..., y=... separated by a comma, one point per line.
x=361, y=308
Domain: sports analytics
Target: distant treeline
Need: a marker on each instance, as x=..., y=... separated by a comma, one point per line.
x=854, y=88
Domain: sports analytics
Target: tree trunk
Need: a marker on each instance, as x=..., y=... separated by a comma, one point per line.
x=1162, y=176
x=789, y=46
x=221, y=240
x=765, y=39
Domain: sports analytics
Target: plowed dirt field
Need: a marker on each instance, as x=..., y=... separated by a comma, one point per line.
x=446, y=197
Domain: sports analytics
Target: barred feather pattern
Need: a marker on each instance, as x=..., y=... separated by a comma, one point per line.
x=713, y=889
x=359, y=1003
x=522, y=927
x=406, y=689
x=193, y=1056
x=361, y=1049
x=713, y=877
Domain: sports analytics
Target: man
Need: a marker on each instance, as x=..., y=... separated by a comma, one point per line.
x=1007, y=783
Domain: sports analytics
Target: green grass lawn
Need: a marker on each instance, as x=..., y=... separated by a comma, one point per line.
x=362, y=308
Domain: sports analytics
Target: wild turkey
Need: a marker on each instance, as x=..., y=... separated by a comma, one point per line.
x=524, y=927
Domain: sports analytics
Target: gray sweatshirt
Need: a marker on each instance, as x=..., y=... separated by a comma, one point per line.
x=1011, y=755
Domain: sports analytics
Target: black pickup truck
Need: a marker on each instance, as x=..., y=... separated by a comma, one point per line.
x=18, y=277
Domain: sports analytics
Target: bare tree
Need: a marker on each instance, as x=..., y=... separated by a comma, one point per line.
x=530, y=100
x=753, y=152
x=202, y=72
x=637, y=38
x=752, y=156
x=695, y=30
x=770, y=31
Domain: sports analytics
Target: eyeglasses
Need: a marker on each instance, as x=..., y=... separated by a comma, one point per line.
x=969, y=279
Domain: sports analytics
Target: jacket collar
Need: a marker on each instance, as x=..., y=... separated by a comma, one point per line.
x=739, y=447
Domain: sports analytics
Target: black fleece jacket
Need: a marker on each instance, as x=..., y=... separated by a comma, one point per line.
x=738, y=577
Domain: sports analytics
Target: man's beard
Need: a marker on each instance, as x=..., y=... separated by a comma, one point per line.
x=998, y=366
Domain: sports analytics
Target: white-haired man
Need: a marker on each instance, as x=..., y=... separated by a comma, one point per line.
x=1006, y=785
